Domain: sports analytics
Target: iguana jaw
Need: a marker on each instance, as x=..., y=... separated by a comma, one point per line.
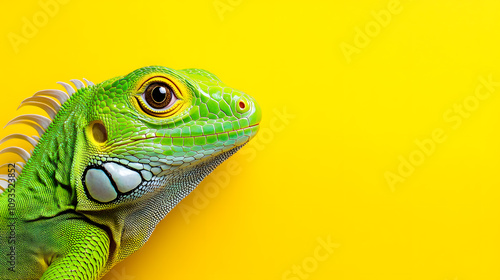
x=136, y=221
x=110, y=182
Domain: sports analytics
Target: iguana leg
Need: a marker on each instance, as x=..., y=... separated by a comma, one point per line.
x=86, y=255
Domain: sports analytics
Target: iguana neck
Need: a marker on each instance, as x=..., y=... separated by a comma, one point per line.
x=131, y=225
x=44, y=185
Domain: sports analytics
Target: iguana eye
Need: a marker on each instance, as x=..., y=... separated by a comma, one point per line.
x=159, y=96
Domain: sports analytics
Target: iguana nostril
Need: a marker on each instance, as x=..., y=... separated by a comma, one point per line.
x=242, y=106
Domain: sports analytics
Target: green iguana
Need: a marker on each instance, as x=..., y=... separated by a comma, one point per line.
x=113, y=161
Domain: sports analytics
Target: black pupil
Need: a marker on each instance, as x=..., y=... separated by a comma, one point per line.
x=159, y=94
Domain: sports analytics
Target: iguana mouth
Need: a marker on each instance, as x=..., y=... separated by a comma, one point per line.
x=177, y=137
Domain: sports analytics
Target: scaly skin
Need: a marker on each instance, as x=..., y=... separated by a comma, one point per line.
x=73, y=215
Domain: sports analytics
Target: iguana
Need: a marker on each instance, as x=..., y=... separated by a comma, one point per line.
x=113, y=161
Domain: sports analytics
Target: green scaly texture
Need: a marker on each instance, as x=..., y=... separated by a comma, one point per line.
x=110, y=167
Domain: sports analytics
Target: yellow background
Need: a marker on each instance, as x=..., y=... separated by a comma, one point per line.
x=321, y=173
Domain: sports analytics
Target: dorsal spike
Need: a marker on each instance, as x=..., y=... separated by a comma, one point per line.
x=44, y=122
x=42, y=99
x=36, y=138
x=57, y=94
x=17, y=150
x=68, y=88
x=38, y=129
x=6, y=177
x=30, y=140
x=17, y=166
x=78, y=84
x=49, y=110
x=3, y=186
x=89, y=83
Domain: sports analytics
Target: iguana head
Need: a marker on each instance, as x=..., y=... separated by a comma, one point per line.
x=157, y=128
x=148, y=140
x=124, y=152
